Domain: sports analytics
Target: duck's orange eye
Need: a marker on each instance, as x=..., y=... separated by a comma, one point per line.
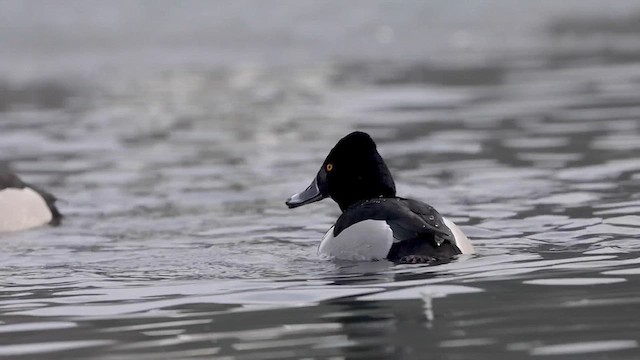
x=329, y=167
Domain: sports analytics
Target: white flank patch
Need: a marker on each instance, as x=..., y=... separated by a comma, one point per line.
x=363, y=241
x=22, y=209
x=462, y=242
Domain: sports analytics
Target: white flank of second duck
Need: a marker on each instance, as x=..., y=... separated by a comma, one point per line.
x=22, y=209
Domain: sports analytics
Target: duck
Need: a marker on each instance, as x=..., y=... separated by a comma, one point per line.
x=24, y=206
x=375, y=224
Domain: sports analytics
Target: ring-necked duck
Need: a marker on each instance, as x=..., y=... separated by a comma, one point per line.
x=24, y=206
x=376, y=224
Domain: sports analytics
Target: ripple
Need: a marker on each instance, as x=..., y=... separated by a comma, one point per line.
x=433, y=291
x=284, y=297
x=574, y=281
x=624, y=142
x=466, y=342
x=47, y=347
x=629, y=220
x=609, y=170
x=573, y=198
x=533, y=143
x=36, y=326
x=584, y=347
x=633, y=271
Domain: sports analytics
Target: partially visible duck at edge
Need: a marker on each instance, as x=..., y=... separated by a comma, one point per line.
x=24, y=206
x=375, y=223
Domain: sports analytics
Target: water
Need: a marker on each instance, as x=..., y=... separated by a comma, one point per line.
x=173, y=147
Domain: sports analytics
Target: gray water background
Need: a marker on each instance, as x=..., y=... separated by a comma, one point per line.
x=172, y=132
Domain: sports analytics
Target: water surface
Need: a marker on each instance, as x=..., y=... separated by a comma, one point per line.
x=172, y=172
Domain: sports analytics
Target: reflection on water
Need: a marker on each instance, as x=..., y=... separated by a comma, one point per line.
x=177, y=243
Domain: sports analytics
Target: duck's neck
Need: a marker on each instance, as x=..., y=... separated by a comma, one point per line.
x=377, y=185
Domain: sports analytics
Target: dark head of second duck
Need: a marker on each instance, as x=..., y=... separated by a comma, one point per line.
x=376, y=224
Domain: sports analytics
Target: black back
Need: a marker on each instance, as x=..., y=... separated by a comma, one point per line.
x=418, y=229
